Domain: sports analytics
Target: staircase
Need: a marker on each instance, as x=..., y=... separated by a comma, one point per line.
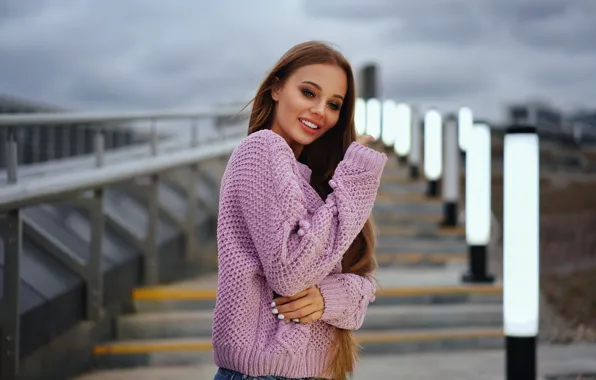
x=421, y=304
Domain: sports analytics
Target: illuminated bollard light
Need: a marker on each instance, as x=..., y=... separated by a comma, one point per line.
x=403, y=133
x=465, y=121
x=521, y=215
x=360, y=116
x=416, y=145
x=452, y=172
x=373, y=118
x=478, y=202
x=433, y=150
x=388, y=124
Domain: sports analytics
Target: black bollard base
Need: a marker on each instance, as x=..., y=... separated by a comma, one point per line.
x=520, y=358
x=432, y=189
x=414, y=172
x=477, y=266
x=449, y=214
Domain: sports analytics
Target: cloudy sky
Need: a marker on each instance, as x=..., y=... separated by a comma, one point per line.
x=141, y=54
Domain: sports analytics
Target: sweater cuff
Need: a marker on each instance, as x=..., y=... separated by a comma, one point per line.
x=366, y=158
x=334, y=297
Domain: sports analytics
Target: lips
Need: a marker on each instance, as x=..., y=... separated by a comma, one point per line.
x=310, y=124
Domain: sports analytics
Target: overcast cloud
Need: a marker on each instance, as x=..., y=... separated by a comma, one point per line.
x=138, y=54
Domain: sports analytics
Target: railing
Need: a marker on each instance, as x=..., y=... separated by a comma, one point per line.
x=82, y=182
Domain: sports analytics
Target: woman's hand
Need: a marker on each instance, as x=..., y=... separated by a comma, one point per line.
x=365, y=139
x=304, y=307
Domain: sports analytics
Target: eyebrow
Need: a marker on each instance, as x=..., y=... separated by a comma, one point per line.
x=320, y=89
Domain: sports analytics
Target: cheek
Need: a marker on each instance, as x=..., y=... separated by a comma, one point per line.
x=332, y=118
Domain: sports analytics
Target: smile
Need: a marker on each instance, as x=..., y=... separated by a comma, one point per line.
x=309, y=124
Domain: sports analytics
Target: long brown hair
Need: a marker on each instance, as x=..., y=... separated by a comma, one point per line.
x=322, y=157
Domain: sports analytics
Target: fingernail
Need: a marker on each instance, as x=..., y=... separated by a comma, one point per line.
x=296, y=320
x=281, y=316
x=274, y=311
x=273, y=304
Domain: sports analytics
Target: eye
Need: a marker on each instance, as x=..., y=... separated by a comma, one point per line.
x=308, y=93
x=334, y=106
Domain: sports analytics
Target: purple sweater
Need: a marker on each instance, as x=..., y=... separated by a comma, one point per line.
x=276, y=235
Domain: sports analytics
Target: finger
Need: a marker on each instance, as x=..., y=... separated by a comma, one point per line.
x=293, y=306
x=309, y=318
x=283, y=300
x=300, y=313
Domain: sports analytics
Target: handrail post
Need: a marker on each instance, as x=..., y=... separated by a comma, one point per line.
x=93, y=268
x=11, y=155
x=194, y=132
x=99, y=142
x=9, y=305
x=191, y=212
x=151, y=252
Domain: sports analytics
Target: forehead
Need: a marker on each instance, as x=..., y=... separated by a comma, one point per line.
x=331, y=78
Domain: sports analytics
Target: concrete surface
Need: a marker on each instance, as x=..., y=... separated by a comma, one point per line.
x=478, y=365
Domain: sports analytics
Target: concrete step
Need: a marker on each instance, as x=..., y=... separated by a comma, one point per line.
x=190, y=298
x=181, y=324
x=184, y=351
x=418, y=259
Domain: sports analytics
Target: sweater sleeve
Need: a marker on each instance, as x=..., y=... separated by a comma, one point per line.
x=298, y=247
x=346, y=298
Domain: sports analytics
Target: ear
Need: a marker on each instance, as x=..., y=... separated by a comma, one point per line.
x=276, y=88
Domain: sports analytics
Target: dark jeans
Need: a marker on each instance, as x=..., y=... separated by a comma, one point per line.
x=228, y=374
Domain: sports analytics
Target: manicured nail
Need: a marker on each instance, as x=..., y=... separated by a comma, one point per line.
x=281, y=316
x=273, y=304
x=296, y=320
x=274, y=311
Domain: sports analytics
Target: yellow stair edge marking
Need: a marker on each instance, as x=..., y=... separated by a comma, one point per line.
x=384, y=216
x=397, y=178
x=165, y=294
x=412, y=336
x=409, y=231
x=168, y=293
x=412, y=258
x=408, y=197
x=440, y=290
x=147, y=347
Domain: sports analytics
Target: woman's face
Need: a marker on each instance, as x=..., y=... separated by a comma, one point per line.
x=308, y=104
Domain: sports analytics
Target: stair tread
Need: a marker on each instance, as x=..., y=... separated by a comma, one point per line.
x=208, y=293
x=181, y=315
x=204, y=344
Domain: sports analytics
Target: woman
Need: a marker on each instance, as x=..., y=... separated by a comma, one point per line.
x=295, y=239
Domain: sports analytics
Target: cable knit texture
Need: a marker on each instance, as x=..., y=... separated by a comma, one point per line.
x=277, y=236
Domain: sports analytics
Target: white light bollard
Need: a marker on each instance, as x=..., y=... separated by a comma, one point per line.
x=478, y=202
x=360, y=116
x=373, y=118
x=521, y=258
x=452, y=172
x=465, y=121
x=388, y=125
x=433, y=150
x=403, y=135
x=416, y=146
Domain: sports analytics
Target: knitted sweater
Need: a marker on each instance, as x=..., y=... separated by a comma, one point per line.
x=275, y=234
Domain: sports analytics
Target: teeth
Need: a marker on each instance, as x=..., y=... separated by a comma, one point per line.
x=311, y=125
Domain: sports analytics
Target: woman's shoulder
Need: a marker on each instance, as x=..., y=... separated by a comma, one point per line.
x=264, y=144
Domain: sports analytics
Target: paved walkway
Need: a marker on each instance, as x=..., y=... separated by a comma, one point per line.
x=479, y=365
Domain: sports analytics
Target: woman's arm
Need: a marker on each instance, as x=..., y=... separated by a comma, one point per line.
x=298, y=248
x=346, y=297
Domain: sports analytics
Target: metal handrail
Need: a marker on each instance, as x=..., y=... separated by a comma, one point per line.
x=52, y=118
x=38, y=190
x=11, y=122
x=54, y=183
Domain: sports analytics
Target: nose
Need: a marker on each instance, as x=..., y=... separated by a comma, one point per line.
x=318, y=109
